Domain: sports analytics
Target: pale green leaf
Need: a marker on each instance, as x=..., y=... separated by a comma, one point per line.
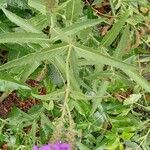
x=29, y=69
x=20, y=22
x=76, y=27
x=23, y=38
x=120, y=50
x=97, y=57
x=38, y=5
x=78, y=95
x=8, y=83
x=60, y=64
x=115, y=30
x=73, y=10
x=51, y=96
x=101, y=93
x=92, y=55
x=134, y=75
x=45, y=54
x=49, y=106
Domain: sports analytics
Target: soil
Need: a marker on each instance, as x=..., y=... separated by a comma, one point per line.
x=14, y=100
x=100, y=10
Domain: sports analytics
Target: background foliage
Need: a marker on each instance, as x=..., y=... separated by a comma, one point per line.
x=76, y=71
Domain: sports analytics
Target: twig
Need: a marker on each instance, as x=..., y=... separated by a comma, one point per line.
x=67, y=92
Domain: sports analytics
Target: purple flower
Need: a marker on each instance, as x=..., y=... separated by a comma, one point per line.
x=61, y=146
x=56, y=146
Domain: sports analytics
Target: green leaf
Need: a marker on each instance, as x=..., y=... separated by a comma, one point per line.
x=101, y=92
x=59, y=62
x=83, y=107
x=92, y=55
x=127, y=135
x=76, y=27
x=3, y=2
x=58, y=32
x=82, y=146
x=120, y=50
x=20, y=22
x=33, y=130
x=49, y=106
x=78, y=95
x=45, y=54
x=23, y=38
x=138, y=79
x=113, y=33
x=8, y=83
x=52, y=96
x=29, y=69
x=21, y=4
x=73, y=10
x=38, y=5
x=55, y=72
x=97, y=57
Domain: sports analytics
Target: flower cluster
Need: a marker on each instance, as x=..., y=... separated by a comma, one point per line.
x=56, y=146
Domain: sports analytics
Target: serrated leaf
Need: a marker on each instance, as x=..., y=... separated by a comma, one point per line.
x=97, y=57
x=113, y=33
x=120, y=50
x=76, y=27
x=20, y=22
x=51, y=96
x=73, y=10
x=134, y=75
x=8, y=83
x=45, y=54
x=23, y=38
x=92, y=55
